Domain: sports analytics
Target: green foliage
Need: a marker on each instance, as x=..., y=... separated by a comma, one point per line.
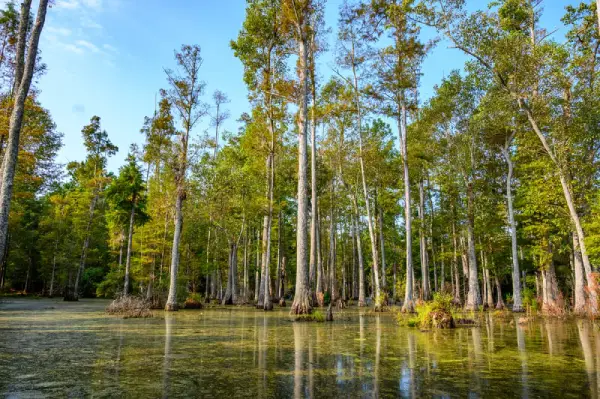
x=436, y=313
x=111, y=285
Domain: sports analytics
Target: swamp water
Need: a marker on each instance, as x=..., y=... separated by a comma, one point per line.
x=49, y=348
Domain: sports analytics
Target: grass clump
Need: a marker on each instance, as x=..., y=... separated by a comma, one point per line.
x=437, y=313
x=129, y=307
x=193, y=301
x=317, y=316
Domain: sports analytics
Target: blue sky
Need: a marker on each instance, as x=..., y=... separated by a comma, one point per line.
x=106, y=58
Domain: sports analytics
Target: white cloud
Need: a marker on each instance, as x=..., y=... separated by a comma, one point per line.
x=87, y=45
x=74, y=4
x=72, y=48
x=68, y=4
x=87, y=22
x=58, y=31
x=110, y=48
x=97, y=4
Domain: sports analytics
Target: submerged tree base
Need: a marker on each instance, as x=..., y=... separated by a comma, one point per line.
x=171, y=307
x=70, y=297
x=301, y=305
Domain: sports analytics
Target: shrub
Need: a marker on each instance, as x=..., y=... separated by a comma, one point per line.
x=193, y=301
x=327, y=298
x=434, y=314
x=129, y=307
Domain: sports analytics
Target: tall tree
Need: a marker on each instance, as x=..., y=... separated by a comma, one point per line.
x=27, y=54
x=184, y=93
x=127, y=195
x=92, y=173
x=300, y=17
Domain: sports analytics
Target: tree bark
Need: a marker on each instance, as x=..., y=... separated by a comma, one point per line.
x=74, y=296
x=129, y=248
x=426, y=293
x=549, y=285
x=517, y=298
x=313, y=187
x=499, y=301
x=230, y=297
x=598, y=12
x=361, y=263
x=21, y=45
x=489, y=297
x=456, y=281
x=382, y=245
x=570, y=205
x=301, y=304
x=579, y=290
x=374, y=250
x=332, y=249
x=408, y=305
x=9, y=162
x=257, y=274
x=473, y=296
x=171, y=304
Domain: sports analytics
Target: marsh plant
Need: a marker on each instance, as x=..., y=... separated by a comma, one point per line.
x=130, y=307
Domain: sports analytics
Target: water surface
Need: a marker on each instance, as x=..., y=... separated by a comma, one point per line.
x=56, y=349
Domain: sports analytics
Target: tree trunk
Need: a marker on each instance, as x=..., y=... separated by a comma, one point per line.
x=354, y=285
x=374, y=250
x=454, y=266
x=171, y=304
x=51, y=292
x=598, y=12
x=313, y=198
x=550, y=292
x=129, y=247
x=121, y=241
x=499, y=301
x=382, y=245
x=489, y=297
x=564, y=182
x=301, y=304
x=517, y=299
x=282, y=274
x=74, y=296
x=257, y=274
x=426, y=293
x=22, y=83
x=245, y=287
x=230, y=297
x=408, y=305
x=442, y=271
x=361, y=264
x=332, y=249
x=579, y=290
x=473, y=296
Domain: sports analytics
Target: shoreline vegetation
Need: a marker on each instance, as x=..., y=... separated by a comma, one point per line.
x=339, y=187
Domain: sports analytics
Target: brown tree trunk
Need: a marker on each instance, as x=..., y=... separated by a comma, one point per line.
x=302, y=303
x=22, y=85
x=474, y=296
x=230, y=297
x=499, y=301
x=579, y=289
